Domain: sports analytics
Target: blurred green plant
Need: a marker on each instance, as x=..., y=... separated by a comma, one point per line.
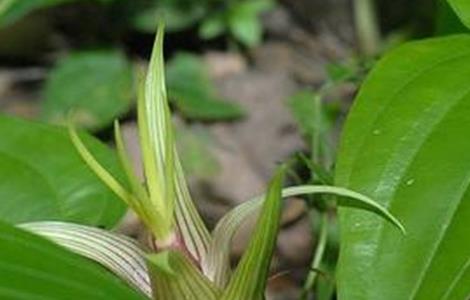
x=97, y=85
x=12, y=10
x=193, y=93
x=177, y=14
x=239, y=19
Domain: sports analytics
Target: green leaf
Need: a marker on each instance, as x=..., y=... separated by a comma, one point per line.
x=244, y=21
x=218, y=265
x=447, y=21
x=12, y=10
x=161, y=160
x=250, y=277
x=462, y=8
x=175, y=277
x=193, y=92
x=212, y=26
x=43, y=178
x=116, y=252
x=34, y=268
x=95, y=85
x=176, y=16
x=406, y=145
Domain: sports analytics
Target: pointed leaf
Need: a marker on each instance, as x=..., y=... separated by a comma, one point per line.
x=218, y=265
x=175, y=277
x=32, y=267
x=250, y=277
x=116, y=252
x=97, y=168
x=156, y=129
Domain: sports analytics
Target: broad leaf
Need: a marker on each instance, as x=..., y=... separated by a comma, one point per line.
x=95, y=86
x=406, y=145
x=462, y=8
x=43, y=178
x=34, y=268
x=116, y=252
x=193, y=93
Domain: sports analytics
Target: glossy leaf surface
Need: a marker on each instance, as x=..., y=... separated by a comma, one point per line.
x=462, y=8
x=34, y=268
x=406, y=145
x=43, y=178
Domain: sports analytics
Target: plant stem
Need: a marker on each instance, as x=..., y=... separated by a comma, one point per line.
x=316, y=156
x=319, y=252
x=317, y=133
x=367, y=30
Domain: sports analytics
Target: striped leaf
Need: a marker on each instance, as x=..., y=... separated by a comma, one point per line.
x=249, y=279
x=33, y=268
x=164, y=203
x=175, y=277
x=117, y=253
x=163, y=164
x=218, y=268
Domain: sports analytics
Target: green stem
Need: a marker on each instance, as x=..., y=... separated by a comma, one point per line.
x=319, y=252
x=316, y=136
x=367, y=30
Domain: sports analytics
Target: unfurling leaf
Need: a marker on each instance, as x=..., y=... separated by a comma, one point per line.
x=250, y=277
x=159, y=127
x=164, y=203
x=175, y=277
